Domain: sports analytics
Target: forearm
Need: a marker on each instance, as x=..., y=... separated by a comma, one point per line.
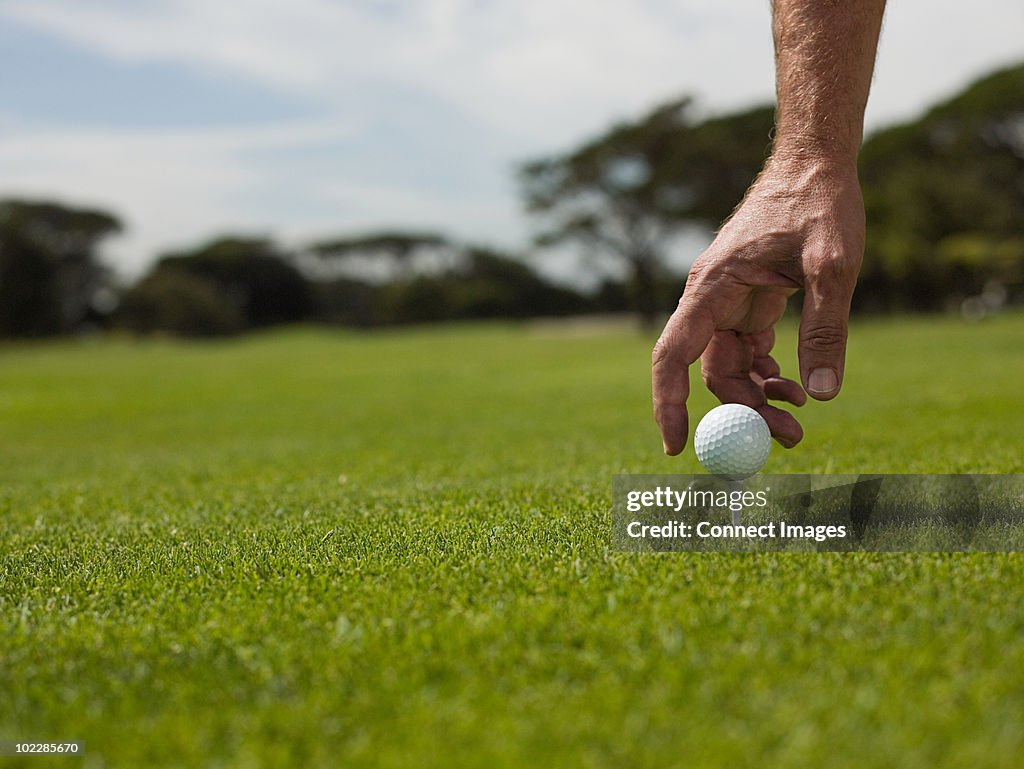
x=824, y=59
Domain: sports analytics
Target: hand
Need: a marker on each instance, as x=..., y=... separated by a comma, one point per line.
x=801, y=225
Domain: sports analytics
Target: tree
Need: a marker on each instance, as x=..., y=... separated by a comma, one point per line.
x=177, y=302
x=418, y=277
x=625, y=193
x=490, y=284
x=944, y=196
x=478, y=283
x=381, y=256
x=251, y=274
x=228, y=285
x=49, y=271
x=348, y=302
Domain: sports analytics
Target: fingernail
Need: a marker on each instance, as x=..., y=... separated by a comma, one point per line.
x=822, y=380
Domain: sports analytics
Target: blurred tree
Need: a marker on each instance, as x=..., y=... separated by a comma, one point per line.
x=176, y=302
x=625, y=193
x=384, y=255
x=492, y=285
x=252, y=275
x=945, y=199
x=483, y=283
x=416, y=277
x=49, y=271
x=226, y=286
x=421, y=299
x=347, y=302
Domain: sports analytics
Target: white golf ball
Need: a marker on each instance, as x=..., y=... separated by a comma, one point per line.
x=732, y=441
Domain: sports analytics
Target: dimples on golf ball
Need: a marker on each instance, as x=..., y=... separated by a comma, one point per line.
x=732, y=441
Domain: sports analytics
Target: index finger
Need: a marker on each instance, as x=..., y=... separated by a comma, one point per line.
x=684, y=338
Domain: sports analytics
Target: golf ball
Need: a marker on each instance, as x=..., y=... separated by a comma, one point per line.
x=732, y=441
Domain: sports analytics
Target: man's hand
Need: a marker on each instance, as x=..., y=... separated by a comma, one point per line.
x=801, y=225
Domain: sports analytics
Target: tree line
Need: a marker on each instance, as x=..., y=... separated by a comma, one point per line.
x=944, y=197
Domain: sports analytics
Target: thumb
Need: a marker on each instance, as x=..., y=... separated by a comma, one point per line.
x=823, y=330
x=685, y=337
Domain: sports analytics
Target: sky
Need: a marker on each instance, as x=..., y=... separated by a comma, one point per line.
x=309, y=119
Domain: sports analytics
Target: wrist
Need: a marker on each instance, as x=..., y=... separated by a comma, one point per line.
x=802, y=157
x=823, y=151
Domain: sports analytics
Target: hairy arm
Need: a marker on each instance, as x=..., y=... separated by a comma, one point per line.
x=824, y=59
x=800, y=225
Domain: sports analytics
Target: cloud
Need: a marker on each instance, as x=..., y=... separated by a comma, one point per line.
x=542, y=72
x=171, y=184
x=539, y=70
x=425, y=105
x=175, y=186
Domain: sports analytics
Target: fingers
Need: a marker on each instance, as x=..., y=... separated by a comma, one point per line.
x=782, y=425
x=782, y=389
x=727, y=368
x=765, y=371
x=726, y=365
x=823, y=331
x=682, y=342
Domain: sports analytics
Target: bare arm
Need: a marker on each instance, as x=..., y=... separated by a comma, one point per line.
x=801, y=224
x=824, y=59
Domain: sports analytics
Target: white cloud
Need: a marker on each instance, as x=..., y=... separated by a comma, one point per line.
x=931, y=50
x=527, y=76
x=170, y=185
x=543, y=71
x=540, y=70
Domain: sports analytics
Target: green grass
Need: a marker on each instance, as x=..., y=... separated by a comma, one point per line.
x=392, y=549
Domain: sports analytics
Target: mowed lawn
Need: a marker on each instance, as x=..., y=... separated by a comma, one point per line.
x=391, y=549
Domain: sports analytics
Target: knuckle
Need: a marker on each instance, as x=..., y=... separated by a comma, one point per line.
x=661, y=352
x=832, y=268
x=713, y=373
x=711, y=379
x=823, y=336
x=700, y=273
